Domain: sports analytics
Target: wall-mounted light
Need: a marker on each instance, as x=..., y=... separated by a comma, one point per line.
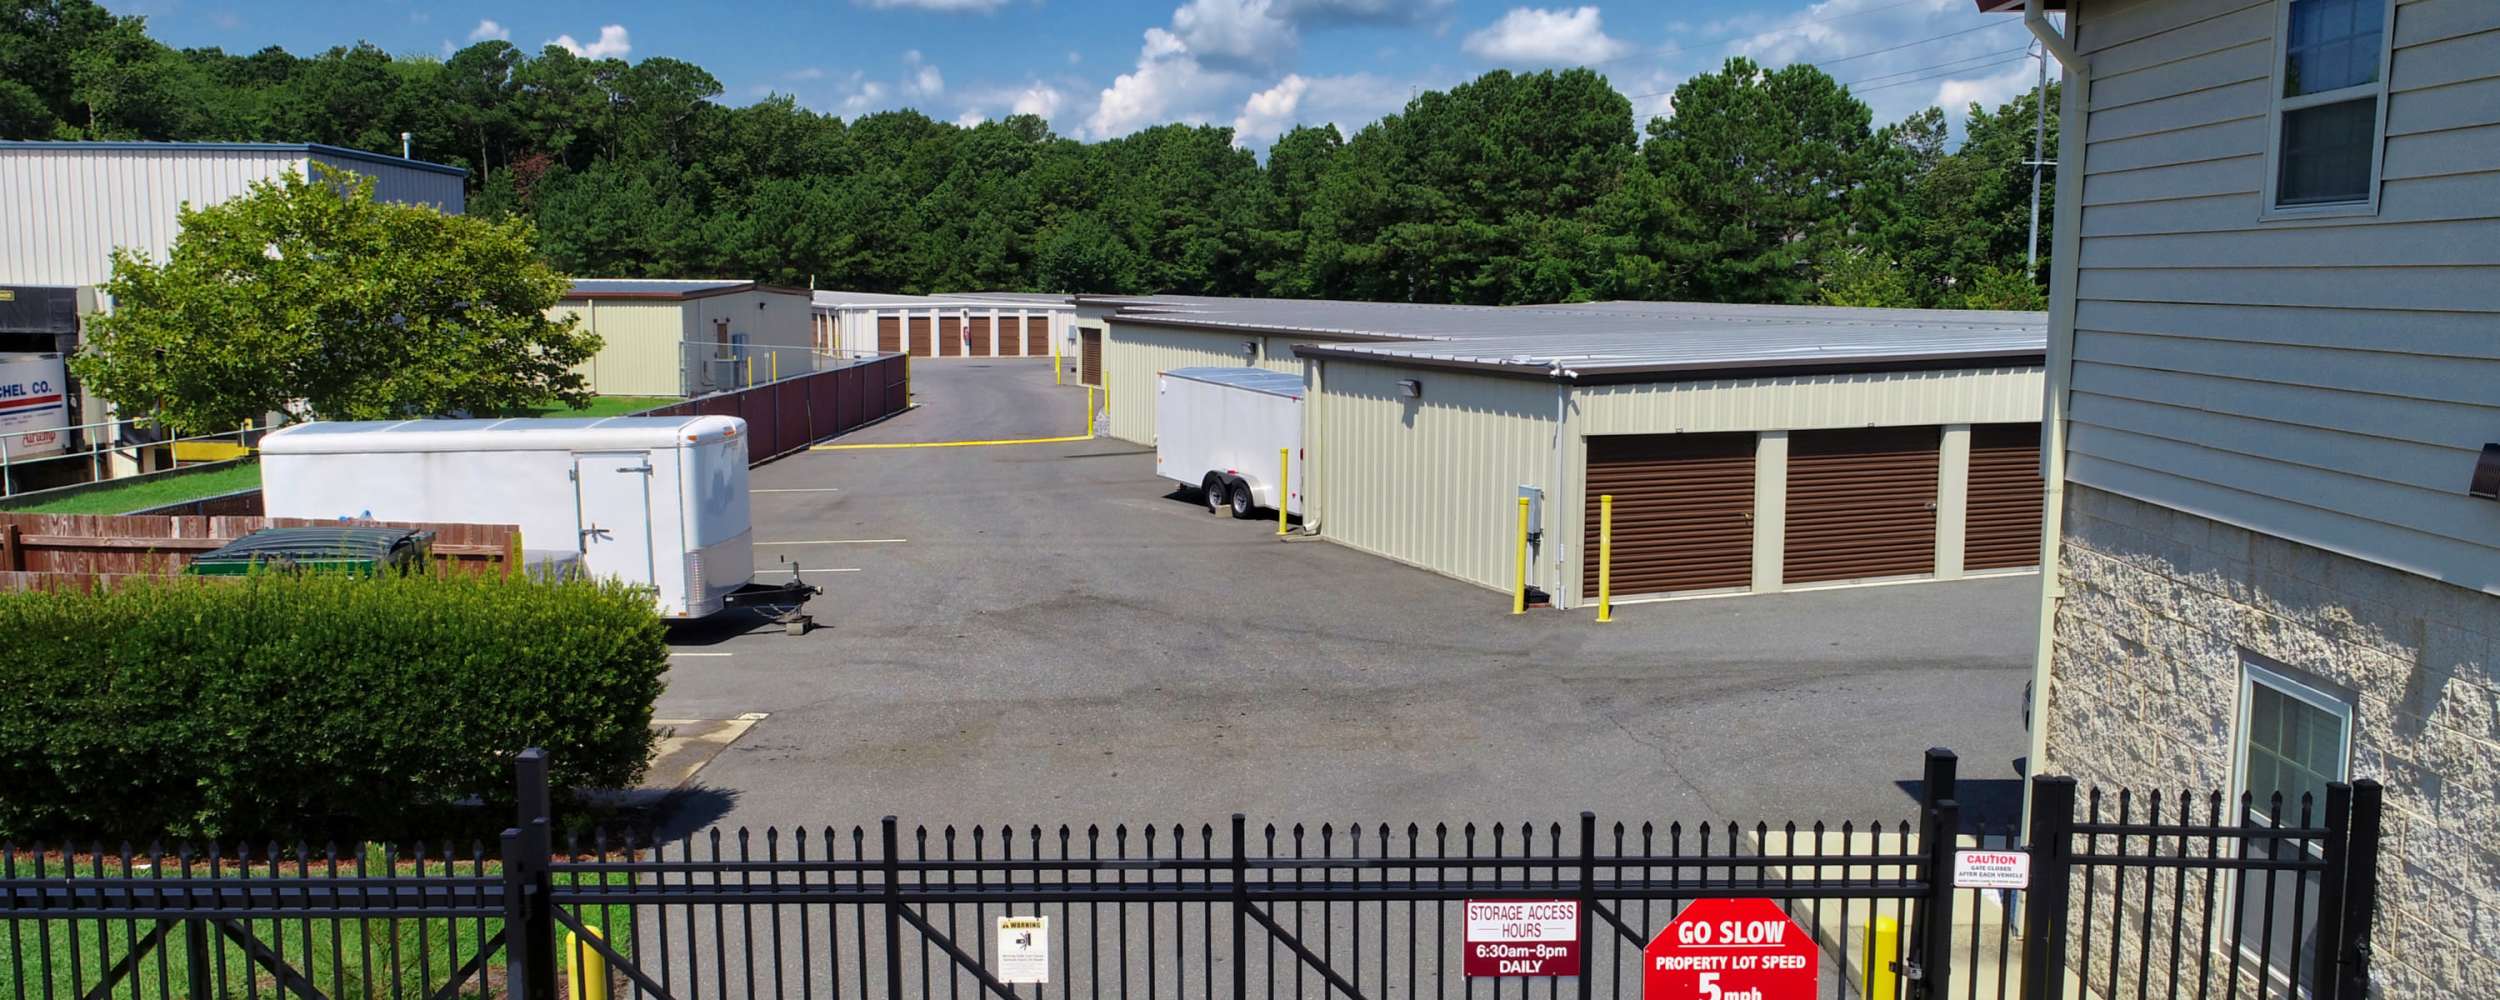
x=1250, y=349
x=2487, y=474
x=1410, y=388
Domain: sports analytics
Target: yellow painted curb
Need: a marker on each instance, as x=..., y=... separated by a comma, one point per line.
x=950, y=444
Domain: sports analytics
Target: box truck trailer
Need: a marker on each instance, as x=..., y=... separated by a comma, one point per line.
x=1226, y=432
x=660, y=502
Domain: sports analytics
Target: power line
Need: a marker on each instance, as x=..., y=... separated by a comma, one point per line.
x=1950, y=62
x=1673, y=49
x=1870, y=52
x=1940, y=76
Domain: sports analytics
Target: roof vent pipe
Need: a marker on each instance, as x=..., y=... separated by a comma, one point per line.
x=2037, y=20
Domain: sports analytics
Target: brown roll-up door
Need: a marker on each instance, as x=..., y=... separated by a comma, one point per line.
x=950, y=337
x=1861, y=504
x=1089, y=357
x=2005, y=497
x=1683, y=511
x=977, y=332
x=1010, y=340
x=1037, y=336
x=923, y=339
x=889, y=335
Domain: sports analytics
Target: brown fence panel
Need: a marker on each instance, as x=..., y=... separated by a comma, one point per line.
x=156, y=545
x=790, y=398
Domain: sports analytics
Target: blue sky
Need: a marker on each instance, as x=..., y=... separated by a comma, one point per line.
x=1098, y=69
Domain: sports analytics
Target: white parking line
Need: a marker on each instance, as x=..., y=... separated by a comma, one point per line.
x=812, y=489
x=840, y=541
x=784, y=567
x=676, y=653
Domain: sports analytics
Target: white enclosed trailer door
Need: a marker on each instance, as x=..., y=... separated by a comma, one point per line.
x=615, y=492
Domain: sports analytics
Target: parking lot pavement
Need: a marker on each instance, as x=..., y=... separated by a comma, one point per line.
x=1045, y=633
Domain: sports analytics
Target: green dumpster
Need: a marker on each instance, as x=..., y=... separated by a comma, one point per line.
x=343, y=549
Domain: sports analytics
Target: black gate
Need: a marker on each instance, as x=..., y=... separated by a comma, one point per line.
x=2132, y=897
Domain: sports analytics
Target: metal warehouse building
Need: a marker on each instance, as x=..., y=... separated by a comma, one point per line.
x=970, y=325
x=687, y=338
x=1748, y=448
x=64, y=206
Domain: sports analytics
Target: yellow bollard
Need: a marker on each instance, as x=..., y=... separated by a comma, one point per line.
x=586, y=977
x=1284, y=484
x=1606, y=557
x=1056, y=368
x=1089, y=411
x=1883, y=948
x=1519, y=586
x=750, y=369
x=776, y=368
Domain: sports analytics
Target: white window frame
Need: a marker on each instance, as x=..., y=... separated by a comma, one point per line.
x=2255, y=670
x=2279, y=105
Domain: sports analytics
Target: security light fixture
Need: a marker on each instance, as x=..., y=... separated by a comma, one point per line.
x=1410, y=388
x=1250, y=349
x=2487, y=474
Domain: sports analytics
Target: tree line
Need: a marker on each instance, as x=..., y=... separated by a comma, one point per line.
x=1763, y=185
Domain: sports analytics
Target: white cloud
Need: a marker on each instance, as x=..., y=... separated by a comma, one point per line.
x=1367, y=11
x=862, y=97
x=1075, y=57
x=940, y=6
x=1545, y=37
x=970, y=118
x=809, y=73
x=1246, y=31
x=1268, y=113
x=488, y=30
x=612, y=43
x=1898, y=57
x=924, y=80
x=1169, y=84
x=1039, y=99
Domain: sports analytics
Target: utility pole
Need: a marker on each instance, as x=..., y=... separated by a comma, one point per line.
x=2039, y=144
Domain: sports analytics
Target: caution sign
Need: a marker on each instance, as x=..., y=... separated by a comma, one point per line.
x=1522, y=937
x=1730, y=949
x=1023, y=950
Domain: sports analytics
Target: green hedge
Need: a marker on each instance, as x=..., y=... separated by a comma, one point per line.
x=313, y=704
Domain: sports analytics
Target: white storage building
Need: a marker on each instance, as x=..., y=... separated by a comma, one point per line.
x=65, y=206
x=969, y=325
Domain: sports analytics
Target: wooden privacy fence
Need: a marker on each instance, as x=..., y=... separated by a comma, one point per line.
x=55, y=550
x=790, y=414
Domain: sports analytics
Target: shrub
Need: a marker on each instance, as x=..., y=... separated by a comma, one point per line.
x=285, y=704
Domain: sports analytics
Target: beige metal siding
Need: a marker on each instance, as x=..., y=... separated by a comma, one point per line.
x=1134, y=354
x=1434, y=481
x=638, y=352
x=1996, y=395
x=2325, y=380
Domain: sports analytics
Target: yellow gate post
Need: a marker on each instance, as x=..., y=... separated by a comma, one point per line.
x=1519, y=583
x=1284, y=486
x=1606, y=557
x=1883, y=947
x=1056, y=366
x=1089, y=411
x=750, y=369
x=776, y=366
x=586, y=976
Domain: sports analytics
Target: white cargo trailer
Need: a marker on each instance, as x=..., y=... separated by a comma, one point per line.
x=1221, y=431
x=656, y=501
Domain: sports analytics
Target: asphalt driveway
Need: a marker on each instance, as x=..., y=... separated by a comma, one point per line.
x=1043, y=633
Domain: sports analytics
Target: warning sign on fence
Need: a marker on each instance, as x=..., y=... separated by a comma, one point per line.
x=1023, y=950
x=1522, y=937
x=1991, y=870
x=1730, y=949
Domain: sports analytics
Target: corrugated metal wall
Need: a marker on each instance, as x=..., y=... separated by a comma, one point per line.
x=62, y=211
x=1884, y=399
x=407, y=184
x=1430, y=481
x=639, y=354
x=1133, y=355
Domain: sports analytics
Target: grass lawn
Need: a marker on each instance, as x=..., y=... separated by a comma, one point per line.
x=402, y=957
x=606, y=406
x=152, y=492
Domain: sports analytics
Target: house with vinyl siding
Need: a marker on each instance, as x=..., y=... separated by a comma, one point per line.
x=2273, y=388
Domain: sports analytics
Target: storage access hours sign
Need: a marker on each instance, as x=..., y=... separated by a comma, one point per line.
x=1522, y=937
x=1730, y=949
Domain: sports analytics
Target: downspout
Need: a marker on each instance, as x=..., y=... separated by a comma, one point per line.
x=1554, y=493
x=2057, y=373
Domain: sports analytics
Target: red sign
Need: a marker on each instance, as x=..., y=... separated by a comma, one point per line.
x=1522, y=937
x=1730, y=949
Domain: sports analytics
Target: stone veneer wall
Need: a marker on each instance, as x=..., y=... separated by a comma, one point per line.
x=2145, y=682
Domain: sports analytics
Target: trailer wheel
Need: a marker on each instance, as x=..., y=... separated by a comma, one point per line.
x=1212, y=491
x=1245, y=505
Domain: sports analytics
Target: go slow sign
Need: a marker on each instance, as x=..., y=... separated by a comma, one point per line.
x=1730, y=949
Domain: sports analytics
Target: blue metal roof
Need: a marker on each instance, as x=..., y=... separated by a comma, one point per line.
x=1274, y=383
x=309, y=148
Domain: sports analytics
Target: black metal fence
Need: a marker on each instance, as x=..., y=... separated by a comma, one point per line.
x=2122, y=905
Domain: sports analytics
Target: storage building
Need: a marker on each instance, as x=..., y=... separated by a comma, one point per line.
x=688, y=338
x=1749, y=449
x=65, y=206
x=972, y=325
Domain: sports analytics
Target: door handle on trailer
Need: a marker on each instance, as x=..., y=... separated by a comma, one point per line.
x=644, y=468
